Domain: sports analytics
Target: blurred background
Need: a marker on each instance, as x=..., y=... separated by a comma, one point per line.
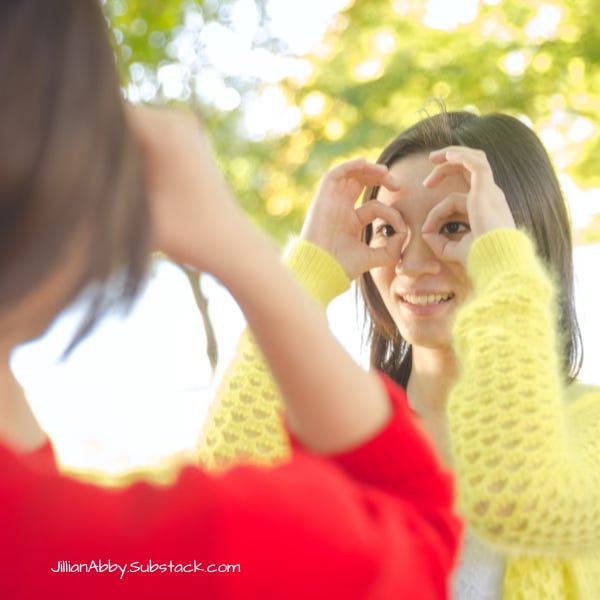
x=287, y=89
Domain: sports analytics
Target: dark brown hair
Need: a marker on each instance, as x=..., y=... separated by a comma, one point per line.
x=69, y=165
x=523, y=170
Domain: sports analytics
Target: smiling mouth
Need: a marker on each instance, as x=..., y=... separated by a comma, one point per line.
x=426, y=299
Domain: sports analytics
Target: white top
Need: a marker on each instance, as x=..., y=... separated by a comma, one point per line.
x=480, y=571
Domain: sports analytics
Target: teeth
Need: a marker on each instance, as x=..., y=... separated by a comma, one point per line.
x=426, y=299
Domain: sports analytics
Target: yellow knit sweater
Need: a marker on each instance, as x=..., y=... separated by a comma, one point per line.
x=526, y=449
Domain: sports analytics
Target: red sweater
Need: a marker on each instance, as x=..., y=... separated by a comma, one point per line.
x=375, y=522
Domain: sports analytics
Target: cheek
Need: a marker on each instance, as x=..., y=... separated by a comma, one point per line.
x=459, y=274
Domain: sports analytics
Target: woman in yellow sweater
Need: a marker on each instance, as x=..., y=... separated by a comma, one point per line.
x=462, y=247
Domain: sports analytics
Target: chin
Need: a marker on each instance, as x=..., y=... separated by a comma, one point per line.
x=429, y=337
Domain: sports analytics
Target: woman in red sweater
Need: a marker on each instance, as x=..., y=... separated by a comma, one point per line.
x=87, y=188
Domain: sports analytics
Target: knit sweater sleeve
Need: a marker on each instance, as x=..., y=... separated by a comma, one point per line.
x=527, y=461
x=244, y=421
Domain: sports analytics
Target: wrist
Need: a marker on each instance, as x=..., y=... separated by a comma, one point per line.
x=319, y=273
x=247, y=261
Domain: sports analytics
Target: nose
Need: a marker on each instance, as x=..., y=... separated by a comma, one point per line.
x=417, y=258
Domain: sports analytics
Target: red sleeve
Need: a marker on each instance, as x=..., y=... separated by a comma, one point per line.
x=355, y=526
x=42, y=458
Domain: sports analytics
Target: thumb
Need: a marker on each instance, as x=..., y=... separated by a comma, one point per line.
x=448, y=250
x=379, y=256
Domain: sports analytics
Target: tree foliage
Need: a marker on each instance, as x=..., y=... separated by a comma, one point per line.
x=377, y=66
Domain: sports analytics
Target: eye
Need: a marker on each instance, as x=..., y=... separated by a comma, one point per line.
x=454, y=230
x=385, y=231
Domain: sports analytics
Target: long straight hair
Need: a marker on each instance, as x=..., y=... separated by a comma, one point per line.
x=70, y=167
x=523, y=170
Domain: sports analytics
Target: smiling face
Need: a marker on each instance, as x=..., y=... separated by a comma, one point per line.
x=420, y=291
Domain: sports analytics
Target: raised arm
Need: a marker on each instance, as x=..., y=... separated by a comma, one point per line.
x=211, y=233
x=373, y=519
x=244, y=421
x=527, y=460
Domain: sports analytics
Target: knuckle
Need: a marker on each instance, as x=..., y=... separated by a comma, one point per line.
x=457, y=196
x=358, y=164
x=481, y=159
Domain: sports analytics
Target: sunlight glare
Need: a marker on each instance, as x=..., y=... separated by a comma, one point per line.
x=544, y=25
x=447, y=16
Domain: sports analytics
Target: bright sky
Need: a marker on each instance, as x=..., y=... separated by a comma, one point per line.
x=136, y=391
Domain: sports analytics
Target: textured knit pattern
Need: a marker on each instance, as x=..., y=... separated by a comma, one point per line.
x=244, y=422
x=528, y=461
x=526, y=449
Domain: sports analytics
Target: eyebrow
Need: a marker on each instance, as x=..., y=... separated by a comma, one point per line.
x=456, y=214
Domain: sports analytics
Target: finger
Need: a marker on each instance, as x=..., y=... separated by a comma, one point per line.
x=473, y=159
x=384, y=255
x=449, y=250
x=139, y=120
x=437, y=243
x=443, y=247
x=366, y=173
x=391, y=183
x=439, y=156
x=448, y=207
x=342, y=170
x=151, y=126
x=371, y=210
x=446, y=169
x=159, y=117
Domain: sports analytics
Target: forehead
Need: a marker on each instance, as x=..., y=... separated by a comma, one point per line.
x=412, y=197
